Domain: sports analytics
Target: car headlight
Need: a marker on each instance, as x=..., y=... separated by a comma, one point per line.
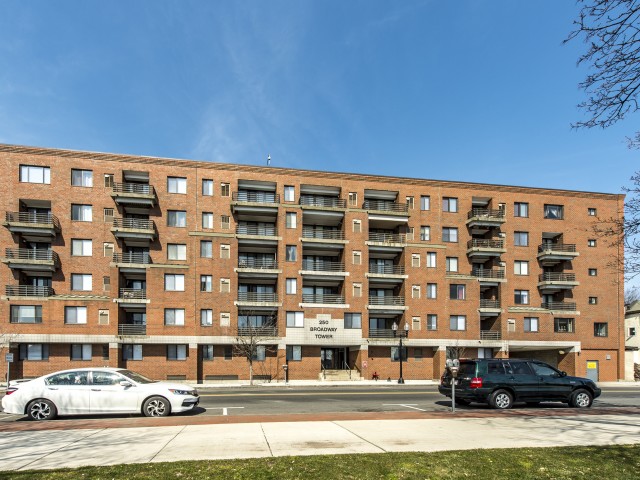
x=176, y=391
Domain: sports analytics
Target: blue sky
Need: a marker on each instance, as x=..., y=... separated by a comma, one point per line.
x=480, y=91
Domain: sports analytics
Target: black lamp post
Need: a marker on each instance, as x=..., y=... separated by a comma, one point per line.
x=400, y=334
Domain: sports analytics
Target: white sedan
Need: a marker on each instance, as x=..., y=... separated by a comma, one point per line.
x=90, y=391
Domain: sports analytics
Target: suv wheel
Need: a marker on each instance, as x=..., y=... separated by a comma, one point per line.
x=501, y=399
x=581, y=399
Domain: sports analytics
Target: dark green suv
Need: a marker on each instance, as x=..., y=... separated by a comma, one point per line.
x=501, y=383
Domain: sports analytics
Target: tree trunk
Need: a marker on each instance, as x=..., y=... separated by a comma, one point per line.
x=251, y=373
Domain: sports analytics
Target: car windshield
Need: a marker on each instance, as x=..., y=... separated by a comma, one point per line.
x=136, y=377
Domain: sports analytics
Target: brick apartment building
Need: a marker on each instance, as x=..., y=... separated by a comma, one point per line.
x=159, y=265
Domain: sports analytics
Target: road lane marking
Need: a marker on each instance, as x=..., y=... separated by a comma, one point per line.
x=311, y=393
x=225, y=410
x=407, y=405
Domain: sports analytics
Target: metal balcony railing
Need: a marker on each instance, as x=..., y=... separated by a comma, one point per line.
x=488, y=274
x=487, y=213
x=391, y=300
x=258, y=331
x=490, y=335
x=324, y=234
x=258, y=230
x=387, y=269
x=133, y=293
x=132, y=329
x=327, y=298
x=568, y=306
x=381, y=333
x=321, y=266
x=488, y=303
x=483, y=243
x=255, y=197
x=258, y=264
x=128, y=257
x=257, y=297
x=41, y=254
x=137, y=188
x=557, y=277
x=136, y=223
x=557, y=247
x=48, y=219
x=387, y=237
x=28, y=291
x=386, y=206
x=322, y=201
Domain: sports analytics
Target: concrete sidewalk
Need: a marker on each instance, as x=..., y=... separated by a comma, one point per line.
x=48, y=449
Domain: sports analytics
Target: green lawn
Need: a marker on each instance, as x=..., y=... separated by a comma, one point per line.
x=608, y=463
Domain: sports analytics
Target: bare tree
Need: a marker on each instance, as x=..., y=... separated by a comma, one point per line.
x=631, y=295
x=252, y=338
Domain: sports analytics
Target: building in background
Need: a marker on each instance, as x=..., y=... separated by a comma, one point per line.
x=632, y=342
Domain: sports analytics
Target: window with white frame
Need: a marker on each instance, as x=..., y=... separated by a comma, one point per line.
x=353, y=199
x=225, y=319
x=81, y=351
x=415, y=323
x=563, y=325
x=225, y=251
x=425, y=202
x=294, y=353
x=357, y=257
x=174, y=282
x=207, y=187
x=132, y=352
x=592, y=212
x=457, y=291
x=415, y=259
x=450, y=234
x=225, y=190
x=206, y=249
x=357, y=290
x=35, y=174
x=206, y=317
x=520, y=209
x=177, y=218
x=432, y=321
x=452, y=264
x=107, y=249
x=425, y=233
x=295, y=319
x=432, y=290
x=259, y=354
x=291, y=220
x=521, y=267
x=177, y=185
x=207, y=220
x=521, y=239
x=75, y=315
x=81, y=247
x=176, y=352
x=292, y=286
x=108, y=215
x=206, y=283
x=449, y=204
x=176, y=251
x=81, y=281
x=457, y=322
x=34, y=351
x=81, y=213
x=415, y=291
x=225, y=222
x=554, y=212
x=289, y=193
x=521, y=297
x=225, y=285
x=431, y=259
x=26, y=314
x=410, y=202
x=174, y=316
x=357, y=226
x=352, y=320
x=591, y=242
x=531, y=324
x=291, y=253
x=81, y=178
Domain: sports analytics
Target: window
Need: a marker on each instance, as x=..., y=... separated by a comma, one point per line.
x=425, y=202
x=105, y=352
x=417, y=353
x=259, y=354
x=632, y=331
x=33, y=174
x=75, y=315
x=521, y=239
x=108, y=180
x=415, y=323
x=225, y=222
x=521, y=297
x=207, y=352
x=593, y=300
x=174, y=282
x=357, y=290
x=177, y=218
x=592, y=212
x=432, y=290
x=452, y=264
x=225, y=251
x=207, y=187
x=81, y=213
x=81, y=178
x=531, y=324
x=81, y=351
x=177, y=185
x=225, y=319
x=176, y=251
x=415, y=291
x=207, y=220
x=395, y=354
x=553, y=212
x=600, y=329
x=353, y=199
x=132, y=352
x=174, y=316
x=294, y=353
x=289, y=193
x=521, y=267
x=34, y=351
x=26, y=313
x=425, y=233
x=103, y=317
x=520, y=209
x=225, y=190
x=292, y=286
x=415, y=259
x=176, y=352
x=228, y=352
x=107, y=249
x=449, y=204
x=592, y=242
x=449, y=234
x=409, y=233
x=291, y=253
x=295, y=319
x=593, y=272
x=352, y=320
x=81, y=248
x=410, y=203
x=108, y=215
x=431, y=259
x=357, y=226
x=457, y=291
x=291, y=220
x=206, y=317
x=432, y=321
x=206, y=249
x=457, y=322
x=81, y=281
x=106, y=284
x=206, y=283
x=357, y=257
x=225, y=285
x=563, y=325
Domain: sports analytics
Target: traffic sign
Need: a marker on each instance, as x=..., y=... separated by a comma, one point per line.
x=8, y=357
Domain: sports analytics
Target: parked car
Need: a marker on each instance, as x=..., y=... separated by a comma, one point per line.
x=91, y=391
x=501, y=383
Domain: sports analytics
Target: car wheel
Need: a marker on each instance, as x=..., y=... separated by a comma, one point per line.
x=581, y=399
x=41, y=410
x=156, y=407
x=461, y=402
x=501, y=399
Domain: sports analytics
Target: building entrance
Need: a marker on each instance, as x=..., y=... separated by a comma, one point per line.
x=334, y=358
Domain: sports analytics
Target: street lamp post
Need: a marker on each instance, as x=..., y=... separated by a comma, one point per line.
x=400, y=334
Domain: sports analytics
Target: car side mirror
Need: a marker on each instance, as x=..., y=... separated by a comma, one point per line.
x=563, y=374
x=124, y=383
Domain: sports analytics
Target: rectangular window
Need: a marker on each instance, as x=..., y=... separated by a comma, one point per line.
x=206, y=317
x=357, y=290
x=177, y=185
x=225, y=319
x=228, y=352
x=591, y=242
x=131, y=352
x=593, y=272
x=176, y=352
x=108, y=180
x=207, y=220
x=520, y=209
x=457, y=292
x=425, y=233
x=107, y=249
x=177, y=218
x=225, y=251
x=352, y=320
x=26, y=313
x=353, y=199
x=108, y=215
x=415, y=323
x=174, y=282
x=554, y=212
x=395, y=354
x=75, y=315
x=449, y=204
x=81, y=351
x=294, y=353
x=34, y=174
x=457, y=322
x=592, y=212
x=521, y=239
x=176, y=251
x=34, y=351
x=409, y=233
x=415, y=291
x=449, y=234
x=415, y=259
x=521, y=297
x=289, y=193
x=432, y=290
x=292, y=286
x=432, y=321
x=81, y=247
x=357, y=257
x=409, y=203
x=225, y=190
x=452, y=264
x=103, y=317
x=105, y=352
x=106, y=284
x=81, y=213
x=295, y=319
x=600, y=329
x=531, y=324
x=207, y=187
x=563, y=325
x=431, y=259
x=357, y=226
x=225, y=222
x=593, y=300
x=206, y=283
x=417, y=353
x=207, y=352
x=81, y=281
x=225, y=285
x=291, y=253
x=259, y=354
x=425, y=202
x=206, y=249
x=174, y=316
x=81, y=178
x=521, y=267
x=291, y=220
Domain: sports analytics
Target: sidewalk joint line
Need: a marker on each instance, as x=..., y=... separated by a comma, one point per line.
x=266, y=439
x=361, y=438
x=168, y=442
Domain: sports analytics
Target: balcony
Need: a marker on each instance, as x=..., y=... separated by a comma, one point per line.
x=381, y=333
x=134, y=229
x=386, y=207
x=257, y=299
x=386, y=273
x=485, y=217
x=560, y=307
x=557, y=281
x=132, y=262
x=268, y=231
x=257, y=197
x=139, y=194
x=490, y=335
x=31, y=259
x=321, y=234
x=32, y=224
x=489, y=276
x=323, y=299
x=388, y=304
x=258, y=331
x=130, y=329
x=322, y=202
x=28, y=291
x=489, y=308
x=395, y=239
x=132, y=295
x=258, y=268
x=553, y=253
x=480, y=249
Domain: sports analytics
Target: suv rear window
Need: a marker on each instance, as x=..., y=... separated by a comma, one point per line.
x=467, y=368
